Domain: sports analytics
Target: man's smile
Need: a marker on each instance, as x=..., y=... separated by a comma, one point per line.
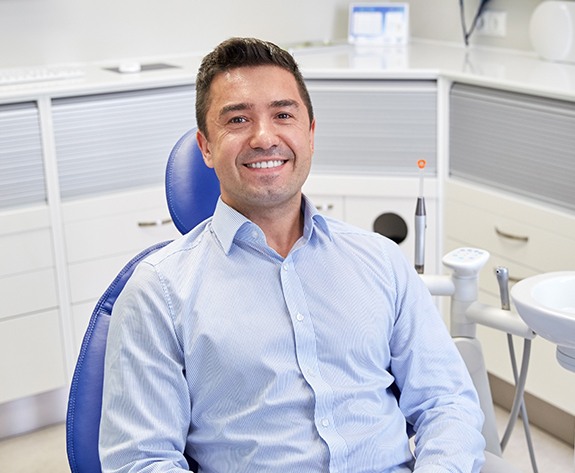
x=266, y=164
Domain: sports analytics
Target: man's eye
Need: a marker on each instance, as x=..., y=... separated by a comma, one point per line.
x=238, y=120
x=284, y=116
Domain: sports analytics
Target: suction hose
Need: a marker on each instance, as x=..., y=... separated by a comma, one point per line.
x=520, y=379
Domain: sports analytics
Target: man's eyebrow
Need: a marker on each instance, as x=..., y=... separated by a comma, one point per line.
x=238, y=107
x=284, y=103
x=235, y=107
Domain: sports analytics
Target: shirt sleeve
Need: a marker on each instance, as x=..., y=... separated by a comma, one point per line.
x=146, y=405
x=437, y=394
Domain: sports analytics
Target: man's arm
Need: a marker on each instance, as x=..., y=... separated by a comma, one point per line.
x=146, y=406
x=437, y=395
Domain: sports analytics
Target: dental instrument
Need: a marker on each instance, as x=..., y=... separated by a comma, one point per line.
x=420, y=222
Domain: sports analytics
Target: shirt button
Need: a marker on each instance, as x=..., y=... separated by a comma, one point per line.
x=285, y=266
x=325, y=422
x=255, y=235
x=299, y=317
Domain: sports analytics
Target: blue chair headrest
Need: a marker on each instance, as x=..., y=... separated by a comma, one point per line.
x=192, y=188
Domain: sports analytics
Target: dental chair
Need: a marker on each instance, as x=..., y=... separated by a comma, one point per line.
x=192, y=190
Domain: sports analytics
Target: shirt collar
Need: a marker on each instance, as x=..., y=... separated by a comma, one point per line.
x=227, y=223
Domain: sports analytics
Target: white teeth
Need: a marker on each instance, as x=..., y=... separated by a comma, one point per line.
x=265, y=164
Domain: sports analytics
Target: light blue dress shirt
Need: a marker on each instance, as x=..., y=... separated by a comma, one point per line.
x=255, y=363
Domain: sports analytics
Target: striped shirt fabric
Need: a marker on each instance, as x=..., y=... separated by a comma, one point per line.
x=250, y=362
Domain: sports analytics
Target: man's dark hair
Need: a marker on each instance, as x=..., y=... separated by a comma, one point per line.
x=243, y=52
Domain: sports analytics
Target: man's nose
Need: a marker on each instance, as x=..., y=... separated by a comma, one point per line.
x=264, y=135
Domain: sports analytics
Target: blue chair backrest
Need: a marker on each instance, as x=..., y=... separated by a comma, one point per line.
x=192, y=190
x=85, y=399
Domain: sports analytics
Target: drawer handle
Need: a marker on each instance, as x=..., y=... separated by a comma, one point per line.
x=155, y=223
x=324, y=207
x=510, y=236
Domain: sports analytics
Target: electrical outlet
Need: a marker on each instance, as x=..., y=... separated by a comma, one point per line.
x=492, y=23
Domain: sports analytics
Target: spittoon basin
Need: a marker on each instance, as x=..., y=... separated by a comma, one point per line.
x=546, y=303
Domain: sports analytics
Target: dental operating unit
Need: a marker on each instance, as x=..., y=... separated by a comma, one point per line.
x=545, y=306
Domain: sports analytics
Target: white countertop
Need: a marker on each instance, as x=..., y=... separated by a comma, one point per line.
x=509, y=70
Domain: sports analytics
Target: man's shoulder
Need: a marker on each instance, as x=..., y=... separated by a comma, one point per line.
x=185, y=244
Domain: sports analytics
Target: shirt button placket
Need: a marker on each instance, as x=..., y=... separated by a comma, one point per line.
x=306, y=354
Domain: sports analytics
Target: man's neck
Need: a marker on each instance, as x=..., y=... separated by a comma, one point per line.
x=283, y=227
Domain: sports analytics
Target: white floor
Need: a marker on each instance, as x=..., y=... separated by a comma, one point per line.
x=44, y=451
x=551, y=455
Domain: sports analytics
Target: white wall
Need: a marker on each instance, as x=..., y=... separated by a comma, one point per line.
x=440, y=20
x=55, y=31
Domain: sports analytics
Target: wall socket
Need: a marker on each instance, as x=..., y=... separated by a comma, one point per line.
x=492, y=23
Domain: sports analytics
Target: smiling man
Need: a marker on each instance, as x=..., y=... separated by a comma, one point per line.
x=260, y=142
x=271, y=338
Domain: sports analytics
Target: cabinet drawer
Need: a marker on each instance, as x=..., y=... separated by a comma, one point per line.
x=31, y=357
x=89, y=279
x=117, y=234
x=27, y=293
x=24, y=252
x=510, y=236
x=329, y=205
x=117, y=224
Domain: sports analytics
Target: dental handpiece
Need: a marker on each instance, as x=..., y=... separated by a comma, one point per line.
x=420, y=222
x=502, y=274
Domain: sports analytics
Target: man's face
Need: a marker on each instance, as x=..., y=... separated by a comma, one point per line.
x=260, y=138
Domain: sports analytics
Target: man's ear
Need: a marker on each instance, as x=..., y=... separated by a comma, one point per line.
x=204, y=146
x=312, y=136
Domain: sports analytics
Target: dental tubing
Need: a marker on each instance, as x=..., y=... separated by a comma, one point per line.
x=502, y=275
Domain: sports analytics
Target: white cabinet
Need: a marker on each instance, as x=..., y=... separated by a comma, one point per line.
x=32, y=360
x=328, y=205
x=511, y=192
x=528, y=239
x=386, y=205
x=102, y=234
x=111, y=151
x=32, y=357
x=518, y=143
x=369, y=137
x=112, y=142
x=81, y=192
x=374, y=127
x=31, y=347
x=21, y=161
